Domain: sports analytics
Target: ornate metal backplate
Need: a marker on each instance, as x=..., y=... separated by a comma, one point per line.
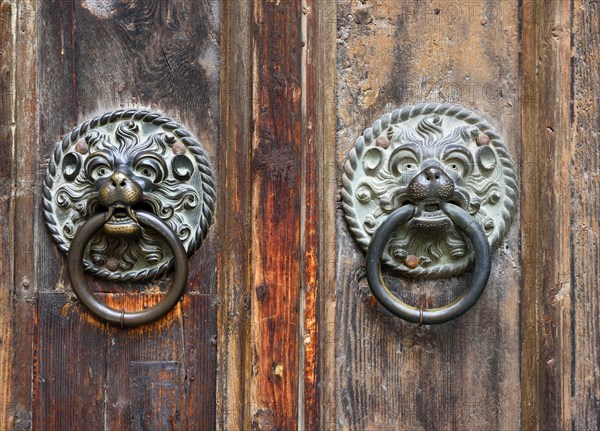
x=384, y=170
x=162, y=169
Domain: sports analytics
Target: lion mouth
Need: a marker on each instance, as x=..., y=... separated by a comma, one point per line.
x=121, y=221
x=430, y=216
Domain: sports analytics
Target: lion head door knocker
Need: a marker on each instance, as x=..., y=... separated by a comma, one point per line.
x=126, y=195
x=429, y=190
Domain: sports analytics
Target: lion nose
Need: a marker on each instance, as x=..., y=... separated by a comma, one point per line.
x=120, y=188
x=431, y=183
x=118, y=180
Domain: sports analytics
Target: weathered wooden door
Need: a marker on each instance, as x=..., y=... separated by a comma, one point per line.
x=278, y=329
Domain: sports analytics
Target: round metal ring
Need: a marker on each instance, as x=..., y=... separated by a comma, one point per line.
x=431, y=316
x=120, y=317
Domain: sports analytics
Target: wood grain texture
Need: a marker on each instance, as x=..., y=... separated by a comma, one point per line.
x=321, y=58
x=130, y=354
x=391, y=374
x=7, y=118
x=71, y=366
x=156, y=395
x=546, y=160
x=278, y=330
x=200, y=332
x=311, y=218
x=99, y=56
x=585, y=215
x=276, y=221
x=18, y=205
x=317, y=353
x=234, y=225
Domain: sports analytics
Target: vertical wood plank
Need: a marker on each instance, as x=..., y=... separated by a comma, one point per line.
x=310, y=205
x=156, y=396
x=276, y=203
x=7, y=118
x=200, y=333
x=585, y=215
x=96, y=57
x=71, y=366
x=317, y=360
x=322, y=61
x=18, y=199
x=158, y=346
x=546, y=293
x=233, y=227
x=391, y=374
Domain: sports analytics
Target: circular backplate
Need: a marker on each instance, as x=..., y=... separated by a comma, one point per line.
x=155, y=152
x=403, y=144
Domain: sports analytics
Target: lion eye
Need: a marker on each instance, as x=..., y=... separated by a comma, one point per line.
x=458, y=160
x=407, y=165
x=150, y=168
x=147, y=172
x=457, y=166
x=100, y=171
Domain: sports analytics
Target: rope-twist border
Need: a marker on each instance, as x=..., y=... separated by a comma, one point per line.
x=208, y=187
x=406, y=113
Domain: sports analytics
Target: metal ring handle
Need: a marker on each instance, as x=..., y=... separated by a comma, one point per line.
x=481, y=271
x=120, y=317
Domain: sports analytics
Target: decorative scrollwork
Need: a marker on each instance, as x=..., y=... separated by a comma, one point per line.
x=390, y=161
x=167, y=173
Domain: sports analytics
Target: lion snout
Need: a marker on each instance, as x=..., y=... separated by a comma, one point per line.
x=431, y=183
x=120, y=188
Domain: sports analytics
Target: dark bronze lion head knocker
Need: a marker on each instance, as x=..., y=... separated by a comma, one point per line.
x=119, y=163
x=428, y=155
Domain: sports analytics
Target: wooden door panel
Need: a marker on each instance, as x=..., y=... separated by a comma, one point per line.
x=278, y=329
x=81, y=59
x=463, y=374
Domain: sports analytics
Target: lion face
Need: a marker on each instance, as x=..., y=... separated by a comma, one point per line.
x=425, y=161
x=120, y=168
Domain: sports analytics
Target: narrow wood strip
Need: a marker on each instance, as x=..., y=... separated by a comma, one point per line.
x=233, y=225
x=319, y=173
x=7, y=118
x=585, y=213
x=546, y=159
x=18, y=115
x=276, y=206
x=323, y=44
x=308, y=414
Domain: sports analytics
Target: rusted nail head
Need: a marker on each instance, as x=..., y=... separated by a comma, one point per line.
x=179, y=148
x=382, y=142
x=411, y=261
x=81, y=147
x=483, y=139
x=112, y=264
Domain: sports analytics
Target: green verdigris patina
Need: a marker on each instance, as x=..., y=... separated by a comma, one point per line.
x=425, y=155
